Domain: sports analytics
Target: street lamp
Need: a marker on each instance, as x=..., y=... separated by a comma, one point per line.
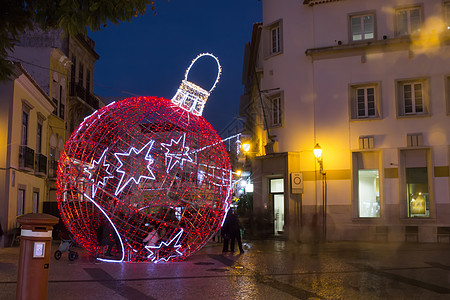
x=318, y=154
x=246, y=147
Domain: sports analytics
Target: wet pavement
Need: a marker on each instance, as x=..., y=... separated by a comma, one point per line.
x=269, y=269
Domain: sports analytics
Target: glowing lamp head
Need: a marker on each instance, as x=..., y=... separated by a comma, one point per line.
x=238, y=173
x=317, y=151
x=246, y=147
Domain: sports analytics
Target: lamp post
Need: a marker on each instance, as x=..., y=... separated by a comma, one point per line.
x=318, y=154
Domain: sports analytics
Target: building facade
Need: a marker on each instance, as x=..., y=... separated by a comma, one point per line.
x=25, y=108
x=64, y=68
x=62, y=71
x=368, y=82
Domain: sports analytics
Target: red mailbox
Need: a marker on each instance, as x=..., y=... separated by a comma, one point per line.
x=34, y=259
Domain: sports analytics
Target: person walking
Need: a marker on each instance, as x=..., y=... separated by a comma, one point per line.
x=232, y=228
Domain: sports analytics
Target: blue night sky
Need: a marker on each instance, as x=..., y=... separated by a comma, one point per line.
x=150, y=55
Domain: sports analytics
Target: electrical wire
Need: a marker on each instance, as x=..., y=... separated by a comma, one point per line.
x=53, y=70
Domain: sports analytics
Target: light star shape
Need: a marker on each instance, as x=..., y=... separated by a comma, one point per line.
x=176, y=152
x=95, y=169
x=135, y=162
x=154, y=249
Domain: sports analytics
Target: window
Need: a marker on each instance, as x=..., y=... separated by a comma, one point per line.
x=412, y=97
x=414, y=140
x=80, y=74
x=39, y=138
x=447, y=14
x=24, y=138
x=416, y=185
x=88, y=81
x=408, y=21
x=447, y=87
x=366, y=142
x=72, y=76
x=362, y=27
x=55, y=94
x=277, y=202
x=277, y=111
x=52, y=163
x=20, y=201
x=273, y=35
x=61, y=102
x=369, y=193
x=366, y=184
x=35, y=201
x=364, y=102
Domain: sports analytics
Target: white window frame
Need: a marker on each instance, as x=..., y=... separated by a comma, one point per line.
x=273, y=39
x=446, y=12
x=39, y=133
x=276, y=110
x=416, y=99
x=354, y=101
x=21, y=191
x=409, y=29
x=25, y=125
x=35, y=204
x=361, y=16
x=413, y=98
x=447, y=93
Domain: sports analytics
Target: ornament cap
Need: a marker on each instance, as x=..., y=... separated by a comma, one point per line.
x=190, y=96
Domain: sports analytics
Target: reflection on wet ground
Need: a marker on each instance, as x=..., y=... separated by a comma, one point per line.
x=269, y=269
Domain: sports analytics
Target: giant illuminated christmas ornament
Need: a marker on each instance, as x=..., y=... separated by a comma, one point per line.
x=145, y=178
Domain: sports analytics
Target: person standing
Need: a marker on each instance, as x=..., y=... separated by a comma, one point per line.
x=232, y=227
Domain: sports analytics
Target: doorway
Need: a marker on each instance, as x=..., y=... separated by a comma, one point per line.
x=277, y=194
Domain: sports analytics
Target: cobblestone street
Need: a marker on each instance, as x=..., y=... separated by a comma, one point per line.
x=269, y=269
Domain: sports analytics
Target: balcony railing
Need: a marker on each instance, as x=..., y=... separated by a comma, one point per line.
x=26, y=157
x=77, y=90
x=40, y=164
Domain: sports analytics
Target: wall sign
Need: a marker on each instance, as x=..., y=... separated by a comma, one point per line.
x=297, y=183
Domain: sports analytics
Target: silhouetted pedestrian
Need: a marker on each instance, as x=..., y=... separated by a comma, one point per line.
x=232, y=228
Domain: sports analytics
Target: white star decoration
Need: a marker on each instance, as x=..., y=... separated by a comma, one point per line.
x=154, y=255
x=179, y=155
x=134, y=166
x=94, y=173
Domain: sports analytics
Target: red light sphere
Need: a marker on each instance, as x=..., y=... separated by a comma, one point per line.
x=144, y=179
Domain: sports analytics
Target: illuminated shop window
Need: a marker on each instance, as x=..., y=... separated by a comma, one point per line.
x=277, y=185
x=417, y=192
x=277, y=196
x=369, y=193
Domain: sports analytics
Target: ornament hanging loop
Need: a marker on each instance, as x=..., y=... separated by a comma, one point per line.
x=190, y=96
x=219, y=68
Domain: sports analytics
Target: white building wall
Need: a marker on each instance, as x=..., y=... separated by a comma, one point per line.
x=316, y=107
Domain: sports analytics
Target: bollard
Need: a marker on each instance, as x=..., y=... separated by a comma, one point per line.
x=34, y=259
